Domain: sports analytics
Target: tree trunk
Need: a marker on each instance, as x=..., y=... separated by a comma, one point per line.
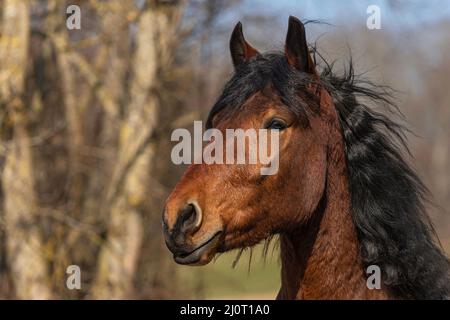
x=24, y=245
x=126, y=196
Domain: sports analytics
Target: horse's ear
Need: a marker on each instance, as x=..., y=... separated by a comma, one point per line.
x=296, y=48
x=241, y=50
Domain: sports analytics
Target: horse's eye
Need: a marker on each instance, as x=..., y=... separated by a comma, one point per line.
x=276, y=124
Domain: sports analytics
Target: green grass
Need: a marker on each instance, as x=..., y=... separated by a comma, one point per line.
x=220, y=280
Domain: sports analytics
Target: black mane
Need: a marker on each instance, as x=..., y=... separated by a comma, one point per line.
x=387, y=197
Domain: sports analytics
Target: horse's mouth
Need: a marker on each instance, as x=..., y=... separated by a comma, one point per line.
x=200, y=255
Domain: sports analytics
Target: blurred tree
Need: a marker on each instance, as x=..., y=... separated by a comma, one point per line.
x=127, y=190
x=78, y=142
x=24, y=249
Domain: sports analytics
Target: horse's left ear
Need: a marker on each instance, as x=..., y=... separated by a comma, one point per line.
x=241, y=50
x=296, y=48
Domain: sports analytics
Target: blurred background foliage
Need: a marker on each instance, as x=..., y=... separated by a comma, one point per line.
x=86, y=117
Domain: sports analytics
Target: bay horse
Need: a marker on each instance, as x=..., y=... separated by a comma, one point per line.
x=344, y=197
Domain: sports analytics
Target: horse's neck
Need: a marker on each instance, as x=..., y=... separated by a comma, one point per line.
x=321, y=260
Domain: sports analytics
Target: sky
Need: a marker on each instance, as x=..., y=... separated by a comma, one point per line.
x=398, y=18
x=395, y=14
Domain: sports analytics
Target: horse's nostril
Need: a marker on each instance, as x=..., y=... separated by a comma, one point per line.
x=189, y=218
